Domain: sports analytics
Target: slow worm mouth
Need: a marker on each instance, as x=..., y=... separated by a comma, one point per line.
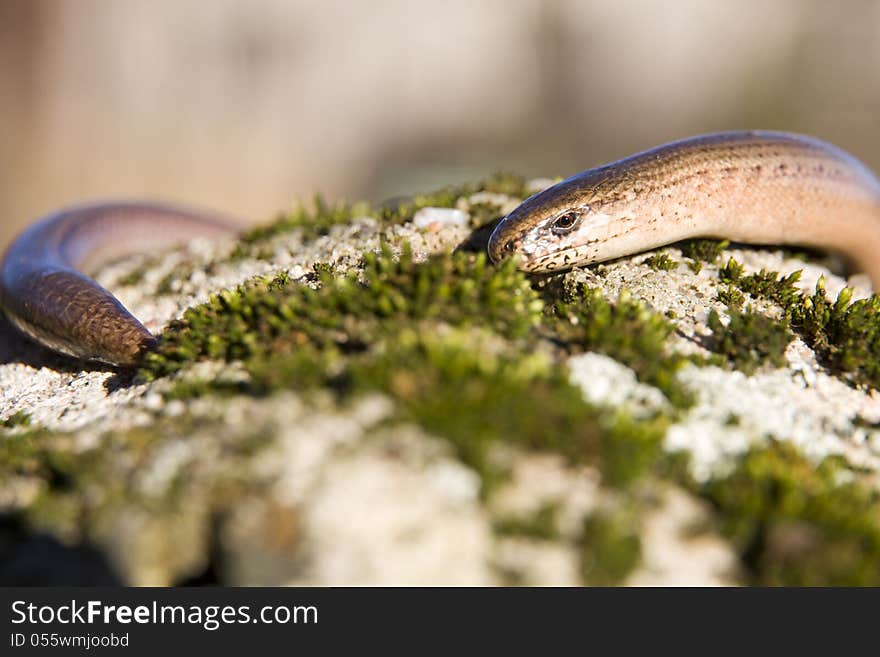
x=562, y=259
x=502, y=244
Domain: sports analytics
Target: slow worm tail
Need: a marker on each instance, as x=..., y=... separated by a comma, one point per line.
x=45, y=290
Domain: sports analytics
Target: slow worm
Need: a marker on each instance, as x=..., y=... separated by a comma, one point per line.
x=756, y=187
x=45, y=290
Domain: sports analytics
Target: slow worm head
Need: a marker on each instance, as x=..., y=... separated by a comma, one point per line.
x=756, y=187
x=45, y=289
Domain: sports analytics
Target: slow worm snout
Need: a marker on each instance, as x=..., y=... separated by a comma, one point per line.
x=756, y=187
x=45, y=290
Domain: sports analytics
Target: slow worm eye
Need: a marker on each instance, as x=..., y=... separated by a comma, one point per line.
x=565, y=222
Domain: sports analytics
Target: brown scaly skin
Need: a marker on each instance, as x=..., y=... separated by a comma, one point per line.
x=46, y=295
x=756, y=187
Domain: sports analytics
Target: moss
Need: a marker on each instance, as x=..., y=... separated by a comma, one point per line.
x=732, y=420
x=458, y=385
x=542, y=524
x=179, y=272
x=432, y=335
x=696, y=266
x=319, y=217
x=82, y=491
x=403, y=210
x=750, y=339
x=483, y=214
x=193, y=388
x=704, y=250
x=731, y=272
x=610, y=547
x=845, y=336
x=312, y=220
x=504, y=182
x=349, y=311
x=135, y=276
x=798, y=524
x=627, y=331
x=17, y=419
x=661, y=262
x=770, y=285
x=455, y=387
x=731, y=297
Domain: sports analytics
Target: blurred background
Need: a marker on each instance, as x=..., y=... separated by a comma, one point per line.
x=248, y=106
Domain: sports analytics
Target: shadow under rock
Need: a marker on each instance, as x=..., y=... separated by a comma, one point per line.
x=478, y=240
x=29, y=558
x=17, y=348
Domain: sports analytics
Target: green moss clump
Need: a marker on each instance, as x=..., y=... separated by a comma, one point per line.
x=845, y=335
x=542, y=524
x=798, y=524
x=750, y=339
x=319, y=217
x=696, y=266
x=483, y=214
x=504, y=182
x=349, y=312
x=457, y=388
x=17, y=419
x=731, y=272
x=403, y=210
x=181, y=271
x=781, y=290
x=134, y=277
x=429, y=335
x=627, y=331
x=770, y=285
x=731, y=297
x=661, y=262
x=610, y=547
x=704, y=250
x=313, y=220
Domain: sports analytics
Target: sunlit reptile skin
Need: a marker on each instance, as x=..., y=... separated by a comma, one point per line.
x=44, y=289
x=756, y=187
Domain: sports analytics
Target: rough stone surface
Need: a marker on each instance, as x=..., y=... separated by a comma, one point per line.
x=339, y=498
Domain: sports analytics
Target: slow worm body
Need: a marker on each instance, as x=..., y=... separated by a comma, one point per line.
x=45, y=290
x=756, y=187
